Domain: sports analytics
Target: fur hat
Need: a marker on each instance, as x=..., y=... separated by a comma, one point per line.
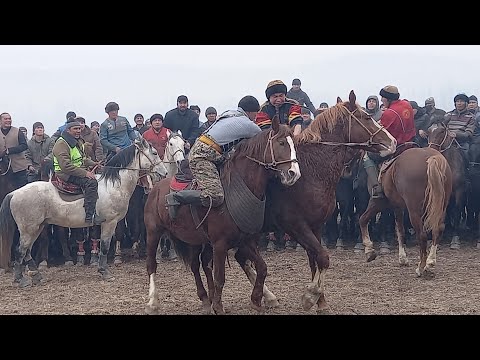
x=111, y=106
x=390, y=92
x=275, y=87
x=461, y=97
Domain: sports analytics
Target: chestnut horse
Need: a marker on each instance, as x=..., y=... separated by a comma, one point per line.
x=323, y=149
x=274, y=151
x=419, y=180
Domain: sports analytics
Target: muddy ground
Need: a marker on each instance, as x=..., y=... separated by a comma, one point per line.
x=353, y=286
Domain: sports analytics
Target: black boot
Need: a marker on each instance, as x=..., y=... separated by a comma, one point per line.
x=376, y=191
x=183, y=197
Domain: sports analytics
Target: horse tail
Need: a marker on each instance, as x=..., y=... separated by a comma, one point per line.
x=435, y=192
x=183, y=250
x=8, y=227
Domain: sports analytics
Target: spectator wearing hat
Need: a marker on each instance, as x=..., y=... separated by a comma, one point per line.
x=95, y=126
x=288, y=110
x=435, y=115
x=139, y=124
x=296, y=93
x=372, y=107
x=196, y=108
x=38, y=149
x=56, y=134
x=211, y=115
x=14, y=144
x=184, y=119
x=95, y=149
x=475, y=110
x=115, y=132
x=397, y=118
x=421, y=120
x=461, y=122
x=157, y=134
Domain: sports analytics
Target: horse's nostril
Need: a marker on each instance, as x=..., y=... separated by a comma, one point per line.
x=291, y=173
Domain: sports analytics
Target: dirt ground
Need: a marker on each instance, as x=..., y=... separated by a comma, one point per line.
x=352, y=287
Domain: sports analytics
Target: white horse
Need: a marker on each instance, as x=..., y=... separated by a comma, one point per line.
x=174, y=152
x=36, y=204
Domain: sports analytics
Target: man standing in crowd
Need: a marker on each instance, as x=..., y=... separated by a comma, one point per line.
x=115, y=132
x=184, y=119
x=300, y=96
x=38, y=148
x=14, y=144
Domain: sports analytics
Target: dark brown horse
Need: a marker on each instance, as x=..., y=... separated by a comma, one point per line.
x=439, y=138
x=268, y=154
x=301, y=210
x=419, y=180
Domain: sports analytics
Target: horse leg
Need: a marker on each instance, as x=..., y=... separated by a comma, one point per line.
x=41, y=247
x=95, y=238
x=400, y=232
x=432, y=255
x=206, y=258
x=195, y=251
x=244, y=256
x=374, y=206
x=78, y=236
x=456, y=214
x=119, y=234
x=154, y=233
x=417, y=223
x=33, y=271
x=219, y=257
x=108, y=229
x=28, y=235
x=64, y=239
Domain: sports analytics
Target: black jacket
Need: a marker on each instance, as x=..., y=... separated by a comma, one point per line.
x=187, y=122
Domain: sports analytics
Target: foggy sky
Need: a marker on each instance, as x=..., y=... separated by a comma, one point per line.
x=43, y=83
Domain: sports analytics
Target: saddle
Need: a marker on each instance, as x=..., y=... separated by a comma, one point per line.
x=67, y=191
x=387, y=163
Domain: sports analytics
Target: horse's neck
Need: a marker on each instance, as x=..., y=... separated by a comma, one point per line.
x=324, y=163
x=455, y=159
x=129, y=179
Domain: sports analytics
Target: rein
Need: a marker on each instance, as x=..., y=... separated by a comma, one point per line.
x=454, y=140
x=271, y=165
x=8, y=167
x=150, y=170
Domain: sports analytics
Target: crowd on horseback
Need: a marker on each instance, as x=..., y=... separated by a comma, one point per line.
x=242, y=180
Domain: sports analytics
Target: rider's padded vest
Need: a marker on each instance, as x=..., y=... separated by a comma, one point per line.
x=75, y=157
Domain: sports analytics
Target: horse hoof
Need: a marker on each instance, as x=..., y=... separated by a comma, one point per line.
x=217, y=310
x=22, y=283
x=118, y=260
x=309, y=299
x=371, y=256
x=418, y=272
x=258, y=308
x=69, y=263
x=80, y=260
x=323, y=311
x=43, y=265
x=273, y=303
x=94, y=260
x=151, y=310
x=38, y=280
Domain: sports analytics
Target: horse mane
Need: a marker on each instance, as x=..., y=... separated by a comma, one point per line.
x=118, y=162
x=252, y=147
x=325, y=121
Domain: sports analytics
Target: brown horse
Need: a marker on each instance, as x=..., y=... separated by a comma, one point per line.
x=274, y=151
x=419, y=180
x=323, y=149
x=439, y=138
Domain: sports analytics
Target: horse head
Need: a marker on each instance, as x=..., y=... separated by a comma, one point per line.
x=149, y=160
x=363, y=132
x=280, y=154
x=175, y=149
x=439, y=137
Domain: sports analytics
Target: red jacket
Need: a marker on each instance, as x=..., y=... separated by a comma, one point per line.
x=158, y=140
x=398, y=120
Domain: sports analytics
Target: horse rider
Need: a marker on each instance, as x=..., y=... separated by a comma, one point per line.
x=397, y=118
x=209, y=151
x=38, y=149
x=461, y=121
x=288, y=110
x=14, y=144
x=71, y=165
x=115, y=132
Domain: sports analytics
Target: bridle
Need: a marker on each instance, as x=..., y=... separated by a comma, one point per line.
x=368, y=143
x=431, y=144
x=271, y=165
x=140, y=151
x=182, y=150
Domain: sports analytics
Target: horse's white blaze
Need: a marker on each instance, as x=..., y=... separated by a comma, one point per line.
x=432, y=256
x=252, y=277
x=174, y=153
x=294, y=167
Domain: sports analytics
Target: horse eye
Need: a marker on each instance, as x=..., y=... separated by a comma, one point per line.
x=282, y=143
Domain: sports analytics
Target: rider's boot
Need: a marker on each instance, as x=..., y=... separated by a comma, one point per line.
x=376, y=190
x=183, y=197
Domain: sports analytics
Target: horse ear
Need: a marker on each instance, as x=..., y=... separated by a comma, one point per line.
x=275, y=124
x=352, y=100
x=339, y=100
x=180, y=133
